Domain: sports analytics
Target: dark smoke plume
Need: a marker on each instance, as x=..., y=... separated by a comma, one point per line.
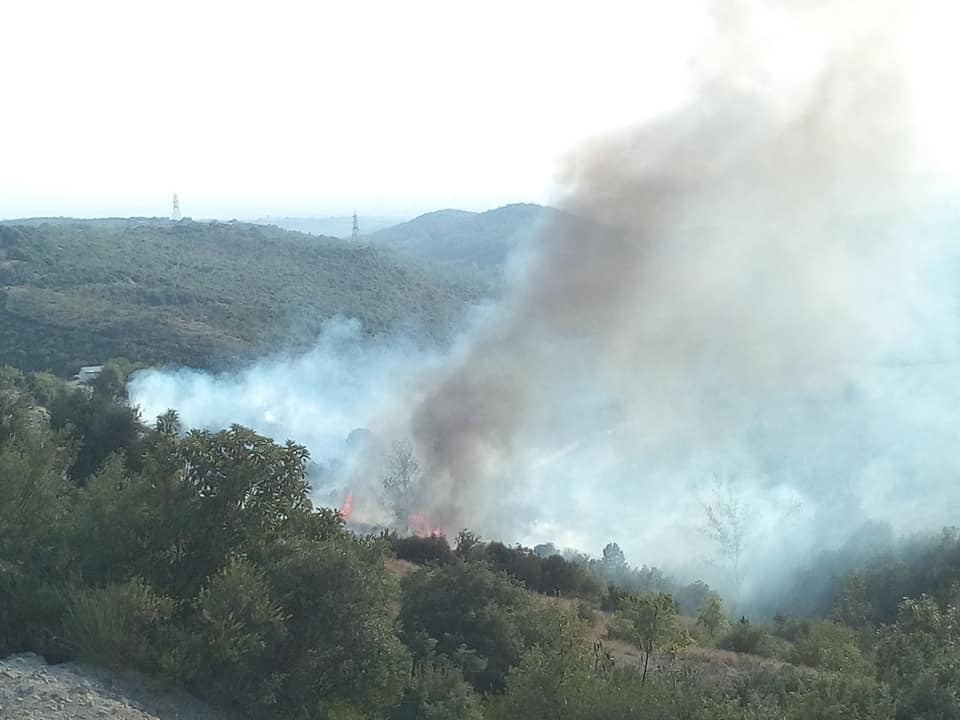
x=736, y=265
x=750, y=305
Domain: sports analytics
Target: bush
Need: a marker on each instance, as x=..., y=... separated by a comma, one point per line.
x=438, y=692
x=237, y=624
x=831, y=646
x=468, y=610
x=791, y=628
x=340, y=645
x=586, y=612
x=422, y=550
x=744, y=637
x=118, y=626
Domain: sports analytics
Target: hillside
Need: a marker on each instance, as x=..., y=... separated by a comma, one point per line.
x=340, y=226
x=203, y=294
x=484, y=240
x=198, y=559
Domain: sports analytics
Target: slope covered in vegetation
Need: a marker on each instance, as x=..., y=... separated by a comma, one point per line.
x=202, y=294
x=198, y=557
x=482, y=240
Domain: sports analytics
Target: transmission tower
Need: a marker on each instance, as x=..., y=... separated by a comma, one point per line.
x=175, y=215
x=356, y=227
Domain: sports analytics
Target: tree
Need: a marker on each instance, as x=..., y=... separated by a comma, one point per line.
x=402, y=480
x=919, y=657
x=340, y=645
x=653, y=617
x=469, y=545
x=237, y=623
x=711, y=615
x=545, y=550
x=552, y=682
x=614, y=561
x=727, y=524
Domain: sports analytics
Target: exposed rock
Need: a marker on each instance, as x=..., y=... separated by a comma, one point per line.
x=30, y=689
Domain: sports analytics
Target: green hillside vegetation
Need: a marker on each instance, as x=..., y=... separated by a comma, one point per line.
x=481, y=240
x=332, y=226
x=202, y=294
x=199, y=558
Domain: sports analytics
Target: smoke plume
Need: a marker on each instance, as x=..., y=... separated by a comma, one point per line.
x=750, y=297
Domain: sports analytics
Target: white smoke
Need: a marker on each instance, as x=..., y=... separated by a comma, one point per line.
x=768, y=296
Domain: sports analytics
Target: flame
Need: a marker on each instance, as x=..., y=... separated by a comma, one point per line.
x=347, y=508
x=420, y=525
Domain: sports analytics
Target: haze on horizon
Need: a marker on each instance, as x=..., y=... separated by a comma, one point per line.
x=298, y=108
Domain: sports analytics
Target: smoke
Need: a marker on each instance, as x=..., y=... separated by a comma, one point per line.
x=322, y=399
x=760, y=265
x=754, y=305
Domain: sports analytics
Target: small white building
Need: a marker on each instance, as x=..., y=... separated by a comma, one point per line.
x=88, y=373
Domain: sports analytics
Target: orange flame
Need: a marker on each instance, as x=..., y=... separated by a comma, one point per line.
x=420, y=526
x=347, y=508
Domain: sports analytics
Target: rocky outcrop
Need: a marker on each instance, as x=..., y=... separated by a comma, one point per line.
x=30, y=689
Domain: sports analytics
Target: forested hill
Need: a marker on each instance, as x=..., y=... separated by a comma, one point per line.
x=76, y=292
x=483, y=240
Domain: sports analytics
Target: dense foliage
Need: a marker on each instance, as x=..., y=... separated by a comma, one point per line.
x=78, y=292
x=198, y=557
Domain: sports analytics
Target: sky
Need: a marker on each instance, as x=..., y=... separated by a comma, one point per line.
x=316, y=108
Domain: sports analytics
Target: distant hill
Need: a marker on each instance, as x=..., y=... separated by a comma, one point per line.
x=484, y=240
x=204, y=294
x=333, y=226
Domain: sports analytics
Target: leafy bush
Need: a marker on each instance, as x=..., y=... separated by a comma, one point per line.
x=919, y=656
x=438, y=692
x=237, y=623
x=468, y=606
x=711, y=616
x=340, y=646
x=433, y=550
x=745, y=637
x=831, y=646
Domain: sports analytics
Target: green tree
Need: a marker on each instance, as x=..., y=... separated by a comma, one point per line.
x=614, y=561
x=712, y=616
x=919, y=657
x=237, y=624
x=653, y=618
x=550, y=682
x=340, y=647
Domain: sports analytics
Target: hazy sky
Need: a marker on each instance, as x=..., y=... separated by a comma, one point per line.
x=247, y=109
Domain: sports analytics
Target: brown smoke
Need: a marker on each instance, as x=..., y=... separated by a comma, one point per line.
x=752, y=242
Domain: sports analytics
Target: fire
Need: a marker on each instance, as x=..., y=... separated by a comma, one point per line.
x=420, y=525
x=347, y=508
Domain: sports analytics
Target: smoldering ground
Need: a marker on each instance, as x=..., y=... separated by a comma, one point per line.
x=760, y=291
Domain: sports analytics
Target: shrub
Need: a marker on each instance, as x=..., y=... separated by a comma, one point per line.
x=468, y=610
x=438, y=692
x=237, y=624
x=117, y=626
x=831, y=646
x=745, y=637
x=433, y=550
